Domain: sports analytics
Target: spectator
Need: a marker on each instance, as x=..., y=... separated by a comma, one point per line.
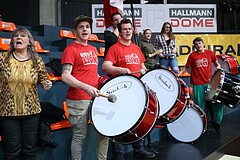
x=167, y=42
x=21, y=69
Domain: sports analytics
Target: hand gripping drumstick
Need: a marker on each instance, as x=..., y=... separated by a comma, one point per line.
x=154, y=53
x=111, y=98
x=141, y=71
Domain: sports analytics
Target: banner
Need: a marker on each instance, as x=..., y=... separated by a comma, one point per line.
x=218, y=43
x=185, y=18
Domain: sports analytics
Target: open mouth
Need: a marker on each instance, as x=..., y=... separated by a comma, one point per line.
x=19, y=43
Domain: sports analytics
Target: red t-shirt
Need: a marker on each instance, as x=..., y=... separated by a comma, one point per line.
x=201, y=66
x=130, y=57
x=85, y=68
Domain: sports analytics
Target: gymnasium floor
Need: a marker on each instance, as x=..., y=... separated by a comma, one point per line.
x=209, y=146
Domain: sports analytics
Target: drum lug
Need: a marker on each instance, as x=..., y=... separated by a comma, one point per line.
x=226, y=92
x=151, y=112
x=218, y=101
x=135, y=134
x=237, y=96
x=180, y=101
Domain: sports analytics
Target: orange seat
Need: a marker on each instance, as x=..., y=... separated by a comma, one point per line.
x=64, y=123
x=7, y=26
x=4, y=44
x=39, y=48
x=94, y=37
x=67, y=34
x=101, y=51
x=52, y=77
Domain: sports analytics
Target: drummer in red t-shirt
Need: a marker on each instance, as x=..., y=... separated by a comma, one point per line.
x=200, y=62
x=80, y=72
x=125, y=57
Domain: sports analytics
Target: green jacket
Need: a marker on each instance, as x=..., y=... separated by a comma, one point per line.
x=147, y=48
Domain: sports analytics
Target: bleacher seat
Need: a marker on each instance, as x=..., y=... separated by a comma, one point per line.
x=7, y=26
x=64, y=123
x=94, y=37
x=101, y=51
x=39, y=48
x=4, y=44
x=67, y=34
x=52, y=77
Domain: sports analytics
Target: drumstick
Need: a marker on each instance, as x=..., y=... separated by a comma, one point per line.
x=154, y=53
x=111, y=98
x=141, y=71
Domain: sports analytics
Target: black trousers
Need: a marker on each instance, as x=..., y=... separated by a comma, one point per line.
x=19, y=136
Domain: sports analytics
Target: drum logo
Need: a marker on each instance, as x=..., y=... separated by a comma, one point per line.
x=119, y=87
x=165, y=82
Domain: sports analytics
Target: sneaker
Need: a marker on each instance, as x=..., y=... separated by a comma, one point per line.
x=144, y=154
x=119, y=156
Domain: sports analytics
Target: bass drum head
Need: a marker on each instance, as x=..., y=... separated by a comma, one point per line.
x=188, y=127
x=215, y=85
x=112, y=119
x=166, y=86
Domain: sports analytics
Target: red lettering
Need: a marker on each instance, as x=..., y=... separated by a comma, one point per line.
x=208, y=23
x=137, y=22
x=186, y=23
x=175, y=22
x=100, y=23
x=197, y=23
x=192, y=22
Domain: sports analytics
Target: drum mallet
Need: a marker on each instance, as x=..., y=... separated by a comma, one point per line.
x=154, y=53
x=111, y=98
x=141, y=71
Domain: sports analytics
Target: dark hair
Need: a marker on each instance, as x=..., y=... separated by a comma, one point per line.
x=145, y=30
x=170, y=34
x=123, y=21
x=197, y=39
x=114, y=14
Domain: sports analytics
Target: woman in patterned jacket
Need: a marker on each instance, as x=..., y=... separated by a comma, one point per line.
x=20, y=71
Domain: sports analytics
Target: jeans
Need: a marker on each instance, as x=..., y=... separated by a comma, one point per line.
x=78, y=117
x=137, y=146
x=171, y=62
x=19, y=136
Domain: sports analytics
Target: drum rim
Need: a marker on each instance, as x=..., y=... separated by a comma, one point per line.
x=218, y=89
x=140, y=117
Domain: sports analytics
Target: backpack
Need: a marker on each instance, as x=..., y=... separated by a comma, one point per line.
x=45, y=135
x=51, y=113
x=55, y=65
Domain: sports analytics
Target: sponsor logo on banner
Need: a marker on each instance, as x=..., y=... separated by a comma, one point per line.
x=192, y=18
x=187, y=18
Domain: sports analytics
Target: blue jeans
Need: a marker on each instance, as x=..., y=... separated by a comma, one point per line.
x=137, y=146
x=171, y=62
